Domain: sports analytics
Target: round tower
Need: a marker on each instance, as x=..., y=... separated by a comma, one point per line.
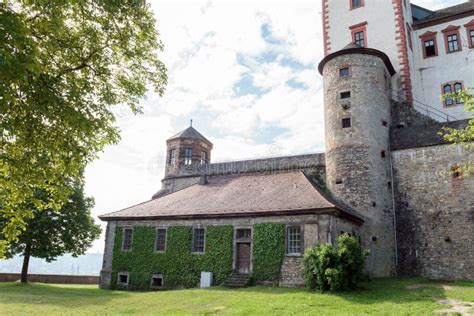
x=186, y=149
x=357, y=120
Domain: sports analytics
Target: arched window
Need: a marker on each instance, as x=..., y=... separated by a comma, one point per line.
x=447, y=89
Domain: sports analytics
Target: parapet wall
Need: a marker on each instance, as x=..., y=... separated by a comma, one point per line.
x=52, y=278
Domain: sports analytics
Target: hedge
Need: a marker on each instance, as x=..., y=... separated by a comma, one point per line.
x=179, y=267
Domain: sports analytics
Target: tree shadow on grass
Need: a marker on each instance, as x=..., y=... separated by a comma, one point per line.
x=56, y=294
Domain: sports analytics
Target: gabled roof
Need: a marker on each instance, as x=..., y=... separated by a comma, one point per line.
x=189, y=132
x=288, y=193
x=466, y=8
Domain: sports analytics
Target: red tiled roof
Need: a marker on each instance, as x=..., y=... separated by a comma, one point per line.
x=236, y=195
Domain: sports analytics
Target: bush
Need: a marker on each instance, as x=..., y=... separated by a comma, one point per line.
x=335, y=267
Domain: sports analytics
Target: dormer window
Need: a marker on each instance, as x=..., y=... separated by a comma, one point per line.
x=356, y=4
x=188, y=156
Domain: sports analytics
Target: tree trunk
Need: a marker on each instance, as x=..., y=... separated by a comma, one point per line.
x=26, y=262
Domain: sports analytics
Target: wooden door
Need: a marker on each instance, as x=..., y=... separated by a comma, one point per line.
x=243, y=258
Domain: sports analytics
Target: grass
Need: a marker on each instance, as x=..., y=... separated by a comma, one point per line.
x=379, y=297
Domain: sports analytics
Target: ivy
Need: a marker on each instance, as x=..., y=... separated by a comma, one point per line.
x=179, y=267
x=268, y=251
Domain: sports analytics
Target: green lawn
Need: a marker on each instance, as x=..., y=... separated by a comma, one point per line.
x=379, y=297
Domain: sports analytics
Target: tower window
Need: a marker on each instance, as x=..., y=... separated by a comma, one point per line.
x=346, y=122
x=338, y=181
x=384, y=123
x=188, y=156
x=359, y=38
x=382, y=153
x=358, y=34
x=345, y=95
x=172, y=157
x=344, y=72
x=203, y=157
x=356, y=4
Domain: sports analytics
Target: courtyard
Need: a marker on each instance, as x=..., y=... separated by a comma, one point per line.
x=393, y=296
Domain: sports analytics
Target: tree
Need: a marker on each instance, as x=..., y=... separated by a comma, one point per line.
x=64, y=66
x=50, y=234
x=464, y=136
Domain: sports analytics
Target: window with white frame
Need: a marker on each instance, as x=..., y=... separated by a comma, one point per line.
x=294, y=240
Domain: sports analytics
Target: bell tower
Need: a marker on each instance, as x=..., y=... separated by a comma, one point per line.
x=186, y=149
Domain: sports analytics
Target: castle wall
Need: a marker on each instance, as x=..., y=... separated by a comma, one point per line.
x=435, y=212
x=357, y=172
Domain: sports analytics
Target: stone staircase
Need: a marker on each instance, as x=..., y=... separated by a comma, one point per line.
x=236, y=280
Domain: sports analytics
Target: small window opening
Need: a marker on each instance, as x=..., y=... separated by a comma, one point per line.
x=122, y=278
x=345, y=95
x=346, y=122
x=243, y=233
x=389, y=185
x=384, y=123
x=156, y=281
x=456, y=172
x=344, y=72
x=374, y=204
x=382, y=153
x=338, y=181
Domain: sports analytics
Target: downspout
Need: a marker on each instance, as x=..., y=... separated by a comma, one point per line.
x=393, y=208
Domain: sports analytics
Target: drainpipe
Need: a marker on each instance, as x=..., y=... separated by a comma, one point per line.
x=393, y=209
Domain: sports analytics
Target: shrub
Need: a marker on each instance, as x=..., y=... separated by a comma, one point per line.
x=335, y=267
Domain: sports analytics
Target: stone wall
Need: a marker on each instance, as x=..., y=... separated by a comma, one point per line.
x=435, y=212
x=292, y=271
x=52, y=278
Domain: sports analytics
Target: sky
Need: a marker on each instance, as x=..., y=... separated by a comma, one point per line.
x=244, y=72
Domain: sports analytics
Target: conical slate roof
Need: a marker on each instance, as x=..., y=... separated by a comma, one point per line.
x=189, y=132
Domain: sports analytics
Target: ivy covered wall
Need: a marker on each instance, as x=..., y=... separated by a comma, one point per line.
x=182, y=268
x=179, y=266
x=268, y=250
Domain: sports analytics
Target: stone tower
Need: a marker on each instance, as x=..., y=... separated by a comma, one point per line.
x=186, y=149
x=357, y=121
